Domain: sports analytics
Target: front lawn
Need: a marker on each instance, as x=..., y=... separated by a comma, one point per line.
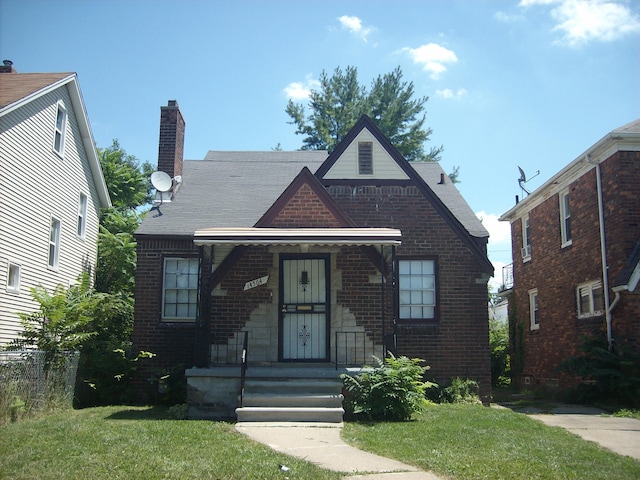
x=454, y=441
x=475, y=442
x=137, y=443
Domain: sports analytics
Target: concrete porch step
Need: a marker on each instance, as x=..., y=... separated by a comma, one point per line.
x=292, y=400
x=306, y=386
x=290, y=414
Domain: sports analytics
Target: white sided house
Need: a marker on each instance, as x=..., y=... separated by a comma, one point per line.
x=51, y=189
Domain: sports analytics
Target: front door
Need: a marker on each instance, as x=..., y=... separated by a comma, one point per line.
x=304, y=307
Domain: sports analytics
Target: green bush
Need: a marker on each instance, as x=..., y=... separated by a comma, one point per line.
x=393, y=390
x=611, y=377
x=460, y=391
x=500, y=360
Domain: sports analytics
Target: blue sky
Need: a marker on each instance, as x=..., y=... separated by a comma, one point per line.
x=531, y=83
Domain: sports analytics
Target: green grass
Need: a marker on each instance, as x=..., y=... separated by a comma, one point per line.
x=454, y=441
x=475, y=442
x=138, y=443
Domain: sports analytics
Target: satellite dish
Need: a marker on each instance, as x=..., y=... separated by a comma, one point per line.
x=161, y=181
x=523, y=177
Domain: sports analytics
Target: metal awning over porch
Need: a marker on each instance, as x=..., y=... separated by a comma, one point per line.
x=298, y=236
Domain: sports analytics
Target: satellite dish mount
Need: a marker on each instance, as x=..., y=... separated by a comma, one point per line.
x=162, y=182
x=523, y=179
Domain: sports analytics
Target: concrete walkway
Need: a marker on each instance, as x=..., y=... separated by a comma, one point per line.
x=322, y=445
x=620, y=435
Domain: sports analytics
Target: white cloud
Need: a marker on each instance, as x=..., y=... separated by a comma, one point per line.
x=354, y=25
x=434, y=58
x=448, y=93
x=581, y=21
x=297, y=91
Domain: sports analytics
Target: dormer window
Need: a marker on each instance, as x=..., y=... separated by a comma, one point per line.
x=365, y=158
x=61, y=126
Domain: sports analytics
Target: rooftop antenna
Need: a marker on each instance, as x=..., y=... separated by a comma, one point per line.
x=523, y=179
x=162, y=182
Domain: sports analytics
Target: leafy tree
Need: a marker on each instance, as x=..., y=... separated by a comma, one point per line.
x=340, y=101
x=127, y=180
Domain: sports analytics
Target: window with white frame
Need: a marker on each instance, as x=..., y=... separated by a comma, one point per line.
x=54, y=243
x=13, y=278
x=590, y=299
x=61, y=127
x=565, y=219
x=365, y=158
x=82, y=215
x=417, y=289
x=534, y=318
x=526, y=240
x=180, y=289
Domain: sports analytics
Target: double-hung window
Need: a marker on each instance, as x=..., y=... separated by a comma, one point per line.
x=590, y=299
x=180, y=289
x=526, y=241
x=54, y=243
x=417, y=289
x=534, y=318
x=13, y=278
x=61, y=127
x=82, y=215
x=565, y=219
x=365, y=158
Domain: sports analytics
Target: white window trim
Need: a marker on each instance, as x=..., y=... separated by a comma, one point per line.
x=81, y=229
x=588, y=287
x=164, y=317
x=434, y=290
x=13, y=288
x=565, y=242
x=62, y=131
x=55, y=243
x=526, y=241
x=534, y=310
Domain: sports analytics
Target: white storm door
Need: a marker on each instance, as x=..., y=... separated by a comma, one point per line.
x=304, y=309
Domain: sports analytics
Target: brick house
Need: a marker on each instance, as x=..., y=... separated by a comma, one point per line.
x=316, y=272
x=576, y=260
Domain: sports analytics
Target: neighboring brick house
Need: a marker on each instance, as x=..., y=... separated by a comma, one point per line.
x=255, y=242
x=51, y=190
x=576, y=260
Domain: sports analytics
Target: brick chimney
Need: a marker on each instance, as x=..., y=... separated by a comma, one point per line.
x=171, y=143
x=7, y=67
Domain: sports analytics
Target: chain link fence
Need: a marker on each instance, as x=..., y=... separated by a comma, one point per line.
x=27, y=386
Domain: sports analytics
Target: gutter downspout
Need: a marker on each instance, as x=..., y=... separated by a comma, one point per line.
x=603, y=251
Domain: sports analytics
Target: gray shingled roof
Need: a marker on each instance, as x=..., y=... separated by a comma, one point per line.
x=234, y=189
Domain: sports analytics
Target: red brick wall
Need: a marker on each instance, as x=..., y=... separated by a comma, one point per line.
x=556, y=271
x=305, y=209
x=457, y=344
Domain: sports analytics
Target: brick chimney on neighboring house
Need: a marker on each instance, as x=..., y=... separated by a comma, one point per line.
x=7, y=67
x=171, y=144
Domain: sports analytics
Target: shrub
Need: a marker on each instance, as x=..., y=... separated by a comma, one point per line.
x=611, y=377
x=393, y=390
x=500, y=361
x=460, y=391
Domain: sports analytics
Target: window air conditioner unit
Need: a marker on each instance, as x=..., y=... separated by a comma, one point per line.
x=526, y=251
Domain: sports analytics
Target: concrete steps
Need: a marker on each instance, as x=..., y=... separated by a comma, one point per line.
x=291, y=400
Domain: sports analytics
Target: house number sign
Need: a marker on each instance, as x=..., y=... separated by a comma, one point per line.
x=256, y=283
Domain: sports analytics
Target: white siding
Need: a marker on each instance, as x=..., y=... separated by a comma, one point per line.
x=36, y=184
x=384, y=167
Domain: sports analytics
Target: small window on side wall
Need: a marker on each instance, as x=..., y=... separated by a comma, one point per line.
x=590, y=299
x=526, y=240
x=54, y=243
x=13, y=278
x=82, y=215
x=534, y=317
x=565, y=219
x=365, y=158
x=60, y=130
x=417, y=290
